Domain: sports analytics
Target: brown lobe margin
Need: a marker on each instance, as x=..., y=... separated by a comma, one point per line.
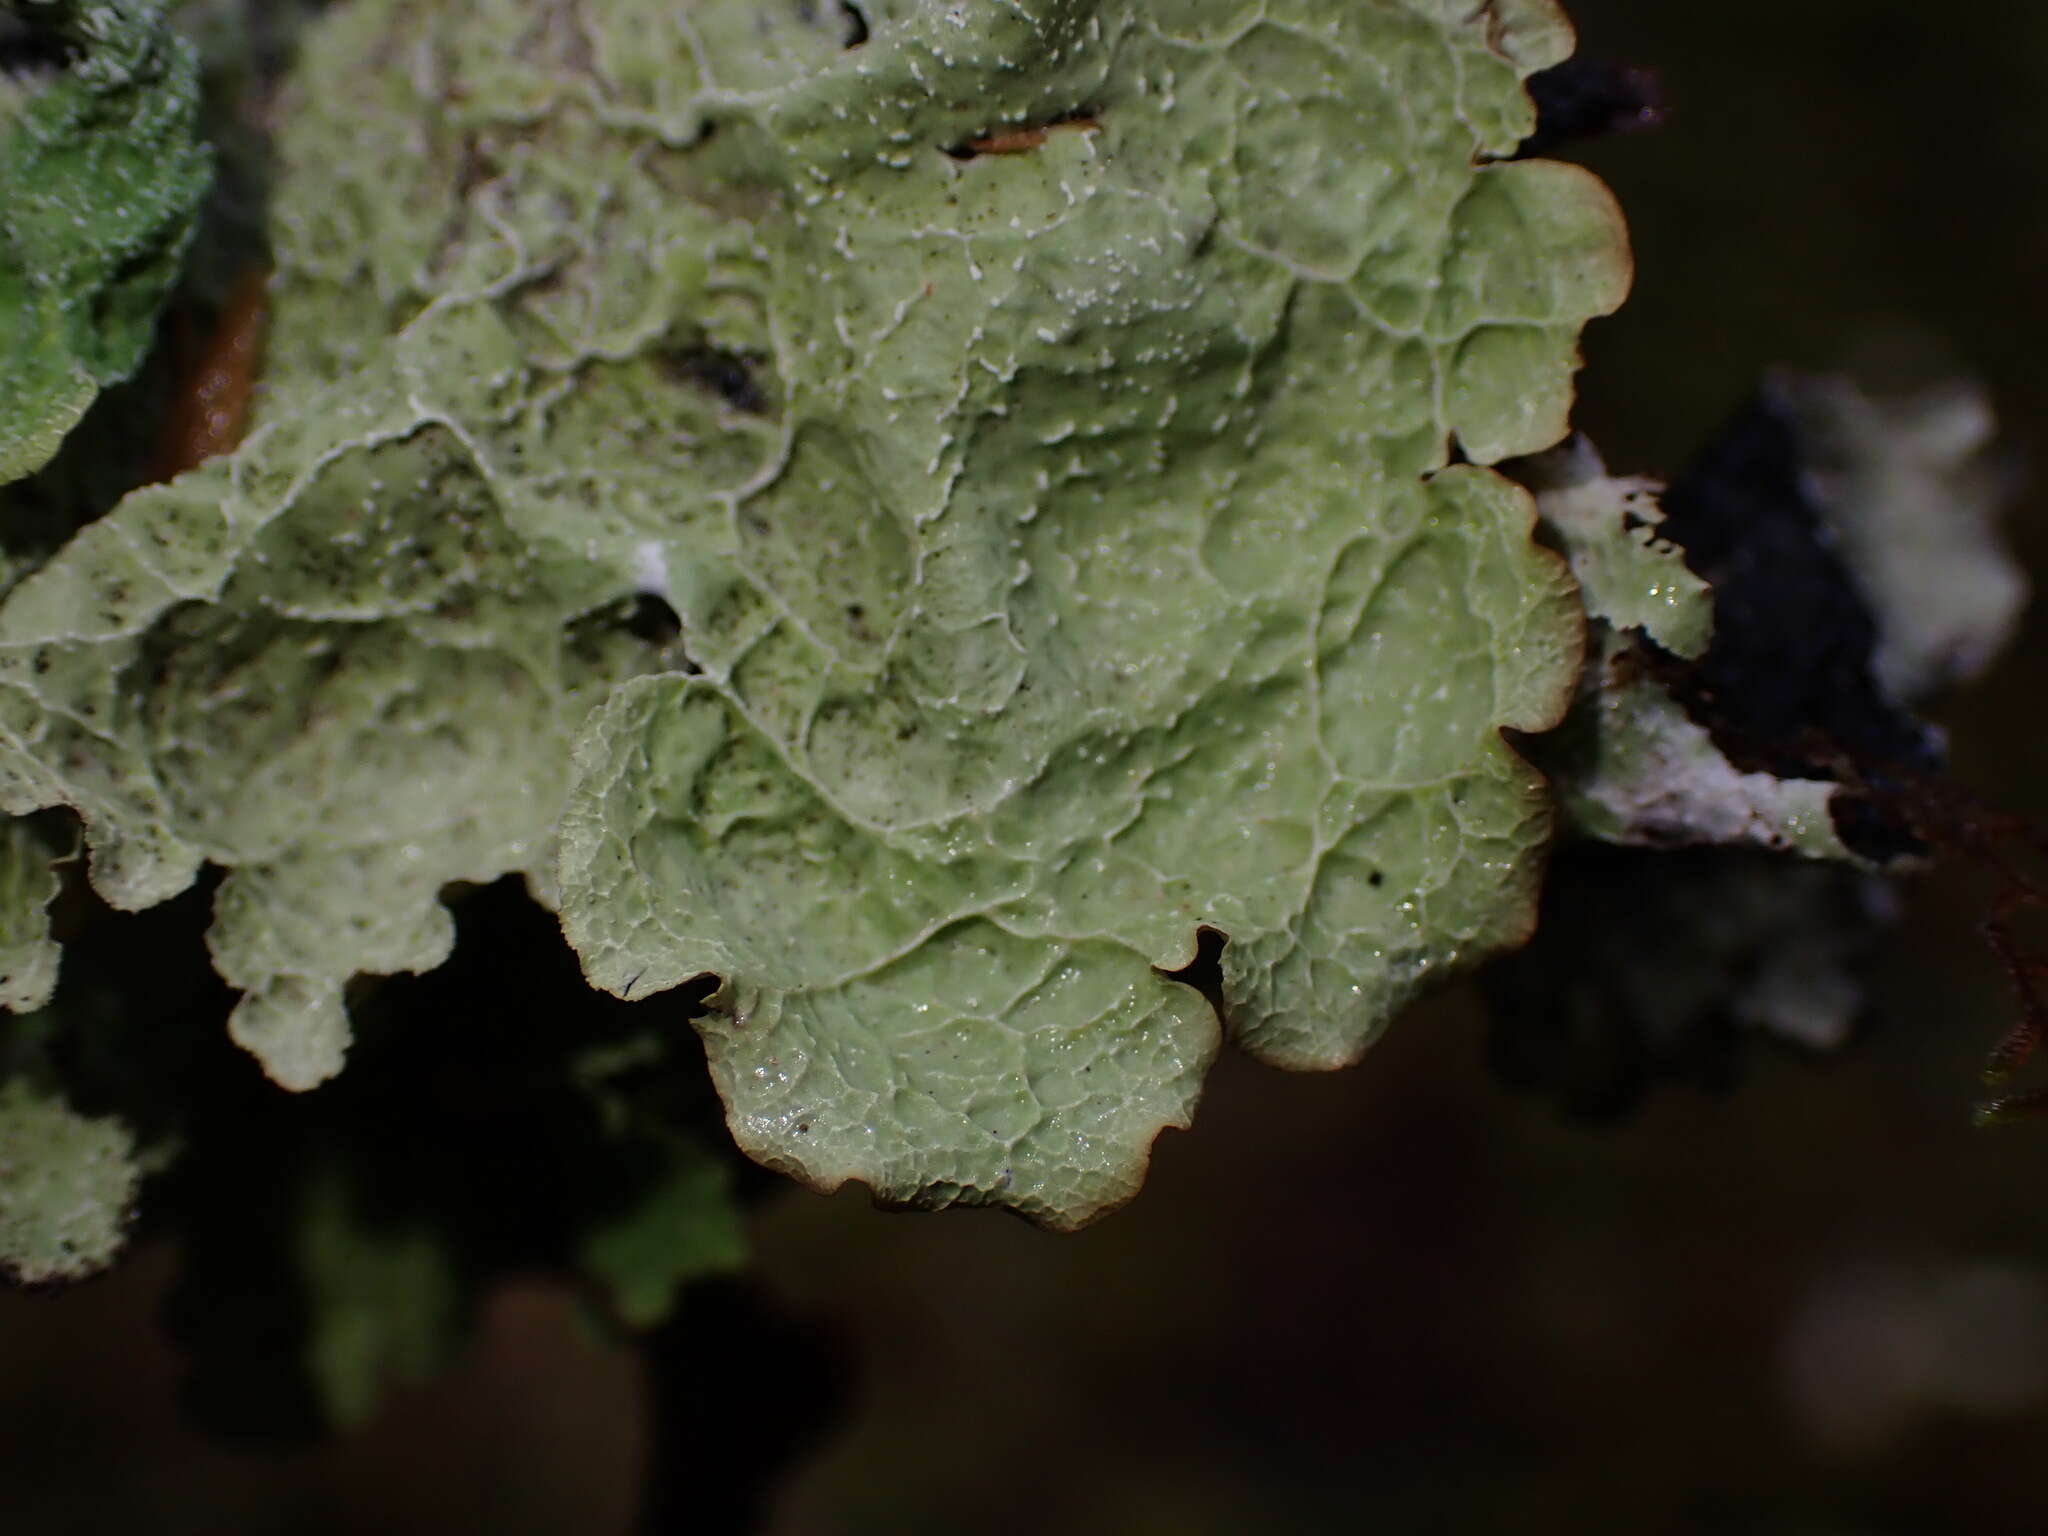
x=1197, y=973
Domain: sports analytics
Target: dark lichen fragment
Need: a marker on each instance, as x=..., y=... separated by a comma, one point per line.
x=1789, y=685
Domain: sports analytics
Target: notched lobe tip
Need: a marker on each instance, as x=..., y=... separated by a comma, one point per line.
x=1205, y=972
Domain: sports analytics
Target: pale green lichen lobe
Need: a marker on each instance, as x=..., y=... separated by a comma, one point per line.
x=1168, y=612
x=1064, y=542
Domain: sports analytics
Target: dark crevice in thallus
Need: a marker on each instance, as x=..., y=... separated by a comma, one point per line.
x=30, y=52
x=654, y=620
x=856, y=23
x=1019, y=138
x=693, y=997
x=729, y=375
x=1589, y=99
x=1205, y=972
x=647, y=617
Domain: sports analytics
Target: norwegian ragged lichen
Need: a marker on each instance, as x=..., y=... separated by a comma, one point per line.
x=1065, y=547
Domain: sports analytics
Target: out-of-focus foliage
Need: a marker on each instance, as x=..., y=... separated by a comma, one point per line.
x=343, y=1240
x=67, y=1184
x=1910, y=481
x=28, y=883
x=100, y=178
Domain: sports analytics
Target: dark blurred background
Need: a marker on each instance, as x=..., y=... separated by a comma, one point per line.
x=1403, y=1298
